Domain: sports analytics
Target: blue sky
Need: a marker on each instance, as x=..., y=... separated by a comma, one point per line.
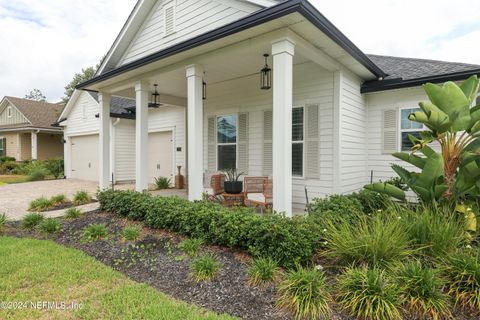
x=45, y=42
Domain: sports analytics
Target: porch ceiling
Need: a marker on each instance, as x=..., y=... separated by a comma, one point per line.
x=231, y=57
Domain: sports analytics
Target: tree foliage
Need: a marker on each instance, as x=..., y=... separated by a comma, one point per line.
x=36, y=95
x=84, y=75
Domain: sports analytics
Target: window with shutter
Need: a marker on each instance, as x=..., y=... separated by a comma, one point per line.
x=169, y=18
x=390, y=131
x=3, y=147
x=298, y=136
x=243, y=142
x=312, y=140
x=267, y=142
x=211, y=149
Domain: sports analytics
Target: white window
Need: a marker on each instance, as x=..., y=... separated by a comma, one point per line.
x=408, y=127
x=227, y=142
x=2, y=146
x=298, y=133
x=9, y=112
x=169, y=18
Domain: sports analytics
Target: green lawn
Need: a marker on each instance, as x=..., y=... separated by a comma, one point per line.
x=7, y=179
x=33, y=270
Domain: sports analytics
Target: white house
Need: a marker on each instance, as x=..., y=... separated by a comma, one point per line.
x=332, y=115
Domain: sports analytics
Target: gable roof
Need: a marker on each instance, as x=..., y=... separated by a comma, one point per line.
x=409, y=72
x=39, y=114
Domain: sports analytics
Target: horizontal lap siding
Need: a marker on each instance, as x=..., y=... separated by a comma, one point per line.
x=78, y=124
x=192, y=18
x=312, y=85
x=171, y=118
x=353, y=135
x=125, y=150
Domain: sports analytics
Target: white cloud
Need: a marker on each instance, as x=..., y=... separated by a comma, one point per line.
x=45, y=42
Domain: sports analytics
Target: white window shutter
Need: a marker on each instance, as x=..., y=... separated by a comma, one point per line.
x=267, y=142
x=212, y=148
x=242, y=143
x=169, y=19
x=312, y=140
x=389, y=131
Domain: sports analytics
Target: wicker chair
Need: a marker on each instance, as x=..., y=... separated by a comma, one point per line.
x=258, y=192
x=217, y=183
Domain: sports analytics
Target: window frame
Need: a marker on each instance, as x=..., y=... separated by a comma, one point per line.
x=302, y=176
x=9, y=111
x=400, y=130
x=2, y=146
x=217, y=144
x=167, y=6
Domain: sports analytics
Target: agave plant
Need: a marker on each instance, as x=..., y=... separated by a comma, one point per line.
x=454, y=174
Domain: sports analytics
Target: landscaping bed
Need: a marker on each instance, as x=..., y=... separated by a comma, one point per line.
x=155, y=259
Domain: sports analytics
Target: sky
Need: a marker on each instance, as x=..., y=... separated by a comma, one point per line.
x=44, y=43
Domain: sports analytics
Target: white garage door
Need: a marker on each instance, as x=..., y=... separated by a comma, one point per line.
x=85, y=157
x=160, y=159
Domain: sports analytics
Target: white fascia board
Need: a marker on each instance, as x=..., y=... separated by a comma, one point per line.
x=263, y=3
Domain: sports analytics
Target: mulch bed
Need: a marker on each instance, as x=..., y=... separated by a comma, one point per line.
x=156, y=261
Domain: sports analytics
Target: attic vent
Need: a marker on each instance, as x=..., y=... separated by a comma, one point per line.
x=169, y=18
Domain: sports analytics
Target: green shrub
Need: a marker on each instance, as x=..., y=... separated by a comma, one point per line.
x=435, y=232
x=163, y=183
x=335, y=207
x=50, y=225
x=369, y=294
x=371, y=201
x=304, y=292
x=190, y=246
x=377, y=241
x=131, y=233
x=59, y=199
x=205, y=268
x=262, y=271
x=462, y=272
x=55, y=167
x=72, y=213
x=41, y=204
x=3, y=220
x=130, y=204
x=37, y=174
x=81, y=197
x=422, y=291
x=9, y=167
x=32, y=220
x=7, y=159
x=95, y=232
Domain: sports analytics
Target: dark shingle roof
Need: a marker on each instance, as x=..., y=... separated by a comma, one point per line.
x=40, y=114
x=118, y=105
x=412, y=68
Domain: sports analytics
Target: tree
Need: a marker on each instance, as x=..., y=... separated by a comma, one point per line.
x=36, y=95
x=84, y=75
x=452, y=176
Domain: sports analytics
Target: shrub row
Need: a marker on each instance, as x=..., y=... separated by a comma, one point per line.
x=290, y=241
x=35, y=169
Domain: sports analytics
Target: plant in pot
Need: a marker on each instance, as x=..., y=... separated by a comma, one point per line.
x=232, y=185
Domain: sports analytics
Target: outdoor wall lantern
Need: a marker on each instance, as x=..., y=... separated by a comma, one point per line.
x=155, y=97
x=266, y=75
x=204, y=88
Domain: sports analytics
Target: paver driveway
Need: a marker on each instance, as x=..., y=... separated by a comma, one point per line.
x=15, y=198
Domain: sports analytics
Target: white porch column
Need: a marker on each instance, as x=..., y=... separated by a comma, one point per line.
x=195, y=132
x=142, y=92
x=104, y=141
x=282, y=52
x=34, y=145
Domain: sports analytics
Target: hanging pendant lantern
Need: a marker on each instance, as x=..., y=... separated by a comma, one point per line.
x=155, y=97
x=204, y=88
x=266, y=75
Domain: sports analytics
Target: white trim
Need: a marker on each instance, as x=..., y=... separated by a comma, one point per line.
x=302, y=176
x=169, y=5
x=9, y=111
x=28, y=129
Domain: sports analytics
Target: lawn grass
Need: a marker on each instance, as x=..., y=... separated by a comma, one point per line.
x=34, y=270
x=8, y=179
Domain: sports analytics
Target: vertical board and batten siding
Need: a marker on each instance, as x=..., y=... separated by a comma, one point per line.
x=379, y=156
x=312, y=86
x=81, y=119
x=16, y=117
x=191, y=18
x=353, y=153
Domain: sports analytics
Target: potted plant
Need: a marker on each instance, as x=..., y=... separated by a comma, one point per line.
x=232, y=185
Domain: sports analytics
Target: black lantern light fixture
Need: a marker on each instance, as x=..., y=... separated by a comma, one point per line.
x=155, y=97
x=266, y=75
x=204, y=88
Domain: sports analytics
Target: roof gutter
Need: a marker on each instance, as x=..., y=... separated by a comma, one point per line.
x=398, y=83
x=257, y=18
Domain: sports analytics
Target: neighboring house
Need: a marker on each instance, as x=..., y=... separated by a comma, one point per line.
x=332, y=115
x=27, y=131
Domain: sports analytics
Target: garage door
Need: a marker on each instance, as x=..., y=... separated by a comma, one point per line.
x=85, y=157
x=160, y=158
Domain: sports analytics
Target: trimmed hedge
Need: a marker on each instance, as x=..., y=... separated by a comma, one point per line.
x=289, y=241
